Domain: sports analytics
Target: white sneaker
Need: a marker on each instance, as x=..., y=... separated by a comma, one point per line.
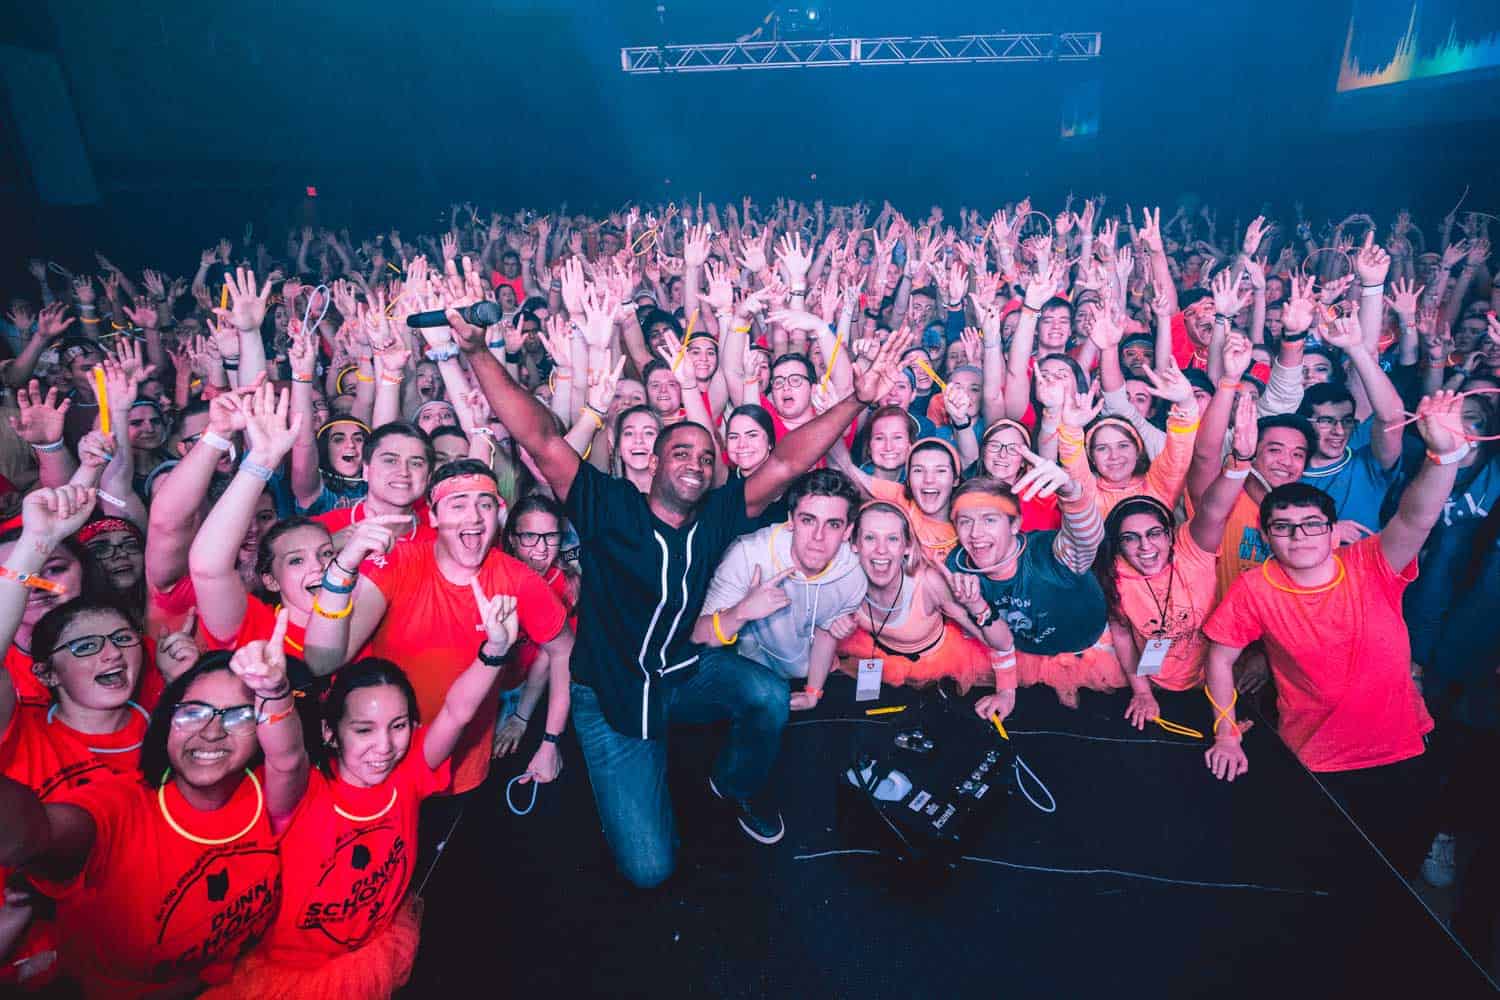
x=1437, y=869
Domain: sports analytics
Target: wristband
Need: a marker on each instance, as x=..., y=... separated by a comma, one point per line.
x=1241, y=473
x=446, y=352
x=719, y=633
x=330, y=587
x=390, y=379
x=1003, y=659
x=271, y=720
x=362, y=377
x=983, y=618
x=31, y=580
x=302, y=380
x=1241, y=458
x=486, y=659
x=1191, y=428
x=257, y=470
x=49, y=448
x=817, y=693
x=231, y=366
x=525, y=719
x=742, y=329
x=1222, y=318
x=598, y=417
x=332, y=616
x=1294, y=336
x=512, y=357
x=216, y=441
x=1368, y=290
x=549, y=738
x=1231, y=384
x=1451, y=458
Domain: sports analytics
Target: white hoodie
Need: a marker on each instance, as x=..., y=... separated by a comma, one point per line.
x=783, y=640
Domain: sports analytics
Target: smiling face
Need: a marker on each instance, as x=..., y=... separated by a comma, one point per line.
x=374, y=735
x=205, y=755
x=1113, y=454
x=398, y=470
x=703, y=355
x=1199, y=320
x=747, y=443
x=682, y=467
x=664, y=393
x=628, y=393
x=820, y=524
x=345, y=442
x=467, y=525
x=429, y=381
x=987, y=533
x=1053, y=328
x=1316, y=369
x=1136, y=357
x=1281, y=455
x=1333, y=422
x=929, y=477
x=883, y=547
x=637, y=439
x=298, y=559
x=1002, y=454
x=120, y=555
x=890, y=442
x=538, y=538
x=99, y=680
x=1144, y=543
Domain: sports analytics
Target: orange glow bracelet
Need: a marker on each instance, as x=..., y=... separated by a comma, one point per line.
x=31, y=580
x=101, y=395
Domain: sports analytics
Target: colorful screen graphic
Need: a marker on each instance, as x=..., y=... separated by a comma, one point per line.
x=1389, y=42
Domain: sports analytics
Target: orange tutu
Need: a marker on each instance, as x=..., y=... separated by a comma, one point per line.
x=1095, y=668
x=957, y=655
x=376, y=970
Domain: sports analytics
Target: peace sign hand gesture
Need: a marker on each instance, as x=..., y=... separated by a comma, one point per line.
x=498, y=616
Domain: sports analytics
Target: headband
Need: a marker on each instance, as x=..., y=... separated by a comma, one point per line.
x=473, y=482
x=980, y=500
x=1000, y=425
x=95, y=528
x=1132, y=505
x=343, y=420
x=1119, y=424
x=939, y=442
x=338, y=383
x=432, y=402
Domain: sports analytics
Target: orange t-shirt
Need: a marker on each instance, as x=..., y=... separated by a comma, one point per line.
x=152, y=909
x=1183, y=595
x=343, y=880
x=258, y=624
x=431, y=629
x=1341, y=659
x=41, y=757
x=339, y=518
x=936, y=536
x=1244, y=547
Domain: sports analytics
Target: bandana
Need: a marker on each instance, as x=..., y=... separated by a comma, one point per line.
x=978, y=500
x=474, y=482
x=99, y=526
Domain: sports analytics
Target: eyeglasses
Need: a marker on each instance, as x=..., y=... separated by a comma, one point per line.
x=1153, y=535
x=789, y=382
x=1329, y=423
x=194, y=716
x=104, y=550
x=531, y=539
x=1289, y=529
x=90, y=645
x=1002, y=448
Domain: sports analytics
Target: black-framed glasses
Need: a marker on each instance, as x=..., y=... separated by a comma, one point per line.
x=1329, y=423
x=90, y=645
x=1152, y=535
x=790, y=382
x=530, y=539
x=1289, y=529
x=1002, y=448
x=193, y=716
x=105, y=550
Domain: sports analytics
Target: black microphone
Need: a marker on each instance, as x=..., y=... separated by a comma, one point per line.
x=484, y=313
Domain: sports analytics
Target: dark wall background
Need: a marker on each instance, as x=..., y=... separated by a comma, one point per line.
x=198, y=117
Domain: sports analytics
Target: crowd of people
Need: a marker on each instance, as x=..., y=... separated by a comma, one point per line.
x=313, y=534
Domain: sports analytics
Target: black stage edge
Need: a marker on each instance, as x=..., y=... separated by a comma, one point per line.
x=1190, y=887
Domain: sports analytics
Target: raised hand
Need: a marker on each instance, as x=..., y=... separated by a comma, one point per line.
x=695, y=246
x=51, y=323
x=1043, y=478
x=1404, y=299
x=1237, y=356
x=42, y=417
x=261, y=664
x=1049, y=279
x=1440, y=421
x=1078, y=409
x=556, y=336
x=176, y=651
x=497, y=615
x=143, y=314
x=1228, y=299
x=83, y=290
x=247, y=307
x=1297, y=314
x=1372, y=262
x=1254, y=233
x=1454, y=253
x=269, y=428
x=1334, y=290
x=1169, y=383
x=1246, y=434
x=875, y=374
x=603, y=384
x=96, y=450
x=599, y=314
x=50, y=515
x=793, y=259
x=1151, y=230
x=1343, y=333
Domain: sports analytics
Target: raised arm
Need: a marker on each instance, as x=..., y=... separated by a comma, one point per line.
x=261, y=666
x=1208, y=446
x=802, y=448
x=1017, y=375
x=527, y=419
x=247, y=309
x=1385, y=439
x=1217, y=501
x=1442, y=427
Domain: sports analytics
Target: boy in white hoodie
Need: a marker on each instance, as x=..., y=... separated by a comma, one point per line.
x=777, y=589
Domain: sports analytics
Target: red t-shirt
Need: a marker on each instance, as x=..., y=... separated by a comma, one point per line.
x=28, y=689
x=497, y=279
x=1341, y=659
x=344, y=879
x=339, y=518
x=44, y=759
x=524, y=653
x=431, y=629
x=1184, y=350
x=168, y=608
x=153, y=909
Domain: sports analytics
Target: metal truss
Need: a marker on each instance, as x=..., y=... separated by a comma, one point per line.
x=720, y=57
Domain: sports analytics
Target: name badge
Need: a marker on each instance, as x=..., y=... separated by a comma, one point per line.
x=867, y=685
x=1152, y=657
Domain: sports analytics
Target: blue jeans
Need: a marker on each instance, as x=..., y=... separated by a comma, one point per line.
x=629, y=775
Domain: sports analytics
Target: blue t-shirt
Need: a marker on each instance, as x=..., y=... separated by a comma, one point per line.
x=1357, y=484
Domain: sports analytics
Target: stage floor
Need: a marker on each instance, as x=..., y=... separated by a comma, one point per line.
x=1151, y=878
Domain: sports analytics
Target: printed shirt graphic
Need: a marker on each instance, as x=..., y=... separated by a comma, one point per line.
x=151, y=907
x=345, y=879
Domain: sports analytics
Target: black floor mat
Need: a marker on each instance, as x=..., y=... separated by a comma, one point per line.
x=1151, y=878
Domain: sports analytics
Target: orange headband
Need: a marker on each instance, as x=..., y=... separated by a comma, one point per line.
x=978, y=500
x=474, y=482
x=1119, y=424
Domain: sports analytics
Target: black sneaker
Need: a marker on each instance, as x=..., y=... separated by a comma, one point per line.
x=762, y=825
